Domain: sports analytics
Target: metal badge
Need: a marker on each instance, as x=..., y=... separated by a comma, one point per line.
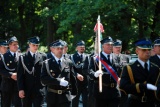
x=10, y=61
x=7, y=64
x=51, y=70
x=138, y=65
x=53, y=74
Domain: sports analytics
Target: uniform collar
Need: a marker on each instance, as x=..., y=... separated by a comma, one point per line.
x=80, y=54
x=106, y=55
x=33, y=53
x=12, y=53
x=52, y=54
x=158, y=56
x=57, y=59
x=142, y=63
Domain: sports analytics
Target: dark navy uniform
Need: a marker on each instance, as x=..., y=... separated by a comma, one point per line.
x=29, y=70
x=141, y=93
x=156, y=58
x=8, y=65
x=52, y=73
x=78, y=62
x=109, y=97
x=4, y=44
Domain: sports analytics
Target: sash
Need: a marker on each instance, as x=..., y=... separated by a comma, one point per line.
x=109, y=69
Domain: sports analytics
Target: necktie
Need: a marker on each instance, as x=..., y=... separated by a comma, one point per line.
x=33, y=57
x=81, y=56
x=14, y=55
x=64, y=56
x=146, y=66
x=59, y=63
x=109, y=58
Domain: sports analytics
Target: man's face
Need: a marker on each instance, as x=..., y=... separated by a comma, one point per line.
x=117, y=50
x=143, y=54
x=3, y=49
x=13, y=46
x=33, y=47
x=157, y=49
x=65, y=49
x=107, y=48
x=58, y=51
x=80, y=49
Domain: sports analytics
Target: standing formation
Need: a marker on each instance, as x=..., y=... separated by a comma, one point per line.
x=65, y=80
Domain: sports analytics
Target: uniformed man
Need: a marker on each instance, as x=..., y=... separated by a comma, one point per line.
x=156, y=58
x=3, y=47
x=120, y=60
x=28, y=75
x=51, y=53
x=58, y=76
x=109, y=97
x=82, y=80
x=3, y=50
x=139, y=80
x=65, y=49
x=8, y=65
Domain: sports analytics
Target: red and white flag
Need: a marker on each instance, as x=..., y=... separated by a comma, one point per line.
x=96, y=27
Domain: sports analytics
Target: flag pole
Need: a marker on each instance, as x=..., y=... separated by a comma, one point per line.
x=99, y=55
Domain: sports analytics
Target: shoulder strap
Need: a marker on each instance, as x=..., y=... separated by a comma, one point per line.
x=5, y=63
x=24, y=66
x=130, y=73
x=47, y=68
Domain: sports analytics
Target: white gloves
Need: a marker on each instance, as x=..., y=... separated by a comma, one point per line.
x=63, y=82
x=97, y=73
x=151, y=87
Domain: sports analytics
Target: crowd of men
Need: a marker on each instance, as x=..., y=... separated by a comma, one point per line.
x=29, y=79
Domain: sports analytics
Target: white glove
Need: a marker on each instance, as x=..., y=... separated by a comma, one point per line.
x=73, y=96
x=97, y=73
x=63, y=82
x=151, y=87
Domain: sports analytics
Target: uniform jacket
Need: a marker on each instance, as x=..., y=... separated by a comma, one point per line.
x=141, y=77
x=155, y=59
x=82, y=70
x=120, y=61
x=8, y=84
x=51, y=78
x=30, y=82
x=107, y=92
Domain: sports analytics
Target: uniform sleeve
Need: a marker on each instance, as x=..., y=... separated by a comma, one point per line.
x=86, y=66
x=92, y=67
x=73, y=82
x=129, y=88
x=20, y=75
x=46, y=79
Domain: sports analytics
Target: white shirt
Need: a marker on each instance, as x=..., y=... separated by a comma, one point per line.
x=57, y=59
x=80, y=54
x=142, y=63
x=12, y=53
x=106, y=55
x=33, y=53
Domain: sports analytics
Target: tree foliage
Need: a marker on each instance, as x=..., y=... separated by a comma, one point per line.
x=74, y=20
